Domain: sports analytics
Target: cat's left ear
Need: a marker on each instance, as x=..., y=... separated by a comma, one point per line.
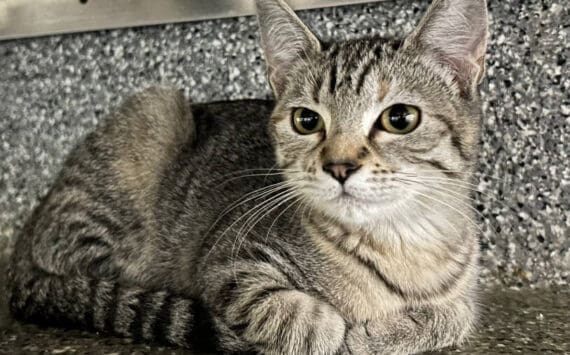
x=454, y=32
x=284, y=38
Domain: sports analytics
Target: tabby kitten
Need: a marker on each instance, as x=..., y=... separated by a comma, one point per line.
x=333, y=221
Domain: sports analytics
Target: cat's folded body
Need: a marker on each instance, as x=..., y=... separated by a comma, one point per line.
x=335, y=220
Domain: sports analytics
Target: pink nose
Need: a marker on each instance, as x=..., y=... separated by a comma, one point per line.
x=341, y=170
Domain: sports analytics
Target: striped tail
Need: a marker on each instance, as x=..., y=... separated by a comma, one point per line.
x=109, y=307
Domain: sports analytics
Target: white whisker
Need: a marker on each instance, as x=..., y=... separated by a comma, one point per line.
x=298, y=199
x=256, y=211
x=469, y=219
x=461, y=184
x=457, y=172
x=449, y=193
x=268, y=190
x=252, y=222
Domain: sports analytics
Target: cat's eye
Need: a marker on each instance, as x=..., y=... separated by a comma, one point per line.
x=399, y=119
x=306, y=121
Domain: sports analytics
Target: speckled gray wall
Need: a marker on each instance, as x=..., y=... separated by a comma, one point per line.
x=54, y=90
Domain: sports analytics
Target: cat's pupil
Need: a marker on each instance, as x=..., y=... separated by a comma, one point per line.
x=309, y=119
x=400, y=117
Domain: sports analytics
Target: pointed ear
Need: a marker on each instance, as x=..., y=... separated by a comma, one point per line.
x=284, y=39
x=455, y=33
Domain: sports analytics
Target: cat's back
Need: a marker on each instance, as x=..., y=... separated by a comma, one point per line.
x=203, y=189
x=148, y=181
x=230, y=157
x=226, y=119
x=231, y=148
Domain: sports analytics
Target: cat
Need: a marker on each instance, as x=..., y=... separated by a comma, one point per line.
x=334, y=220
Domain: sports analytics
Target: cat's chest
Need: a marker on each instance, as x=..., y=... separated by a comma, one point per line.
x=353, y=288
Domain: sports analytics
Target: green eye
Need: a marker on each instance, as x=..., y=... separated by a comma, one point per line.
x=399, y=119
x=306, y=121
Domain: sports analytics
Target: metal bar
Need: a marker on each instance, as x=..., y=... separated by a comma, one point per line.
x=29, y=18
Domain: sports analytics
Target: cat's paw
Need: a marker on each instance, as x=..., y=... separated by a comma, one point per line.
x=412, y=331
x=378, y=338
x=293, y=322
x=359, y=341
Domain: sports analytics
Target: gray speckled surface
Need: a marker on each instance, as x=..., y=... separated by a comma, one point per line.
x=53, y=90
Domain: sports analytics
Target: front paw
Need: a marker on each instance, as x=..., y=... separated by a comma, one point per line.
x=293, y=322
x=408, y=332
x=360, y=341
x=400, y=334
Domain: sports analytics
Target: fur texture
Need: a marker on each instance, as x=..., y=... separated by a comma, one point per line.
x=220, y=226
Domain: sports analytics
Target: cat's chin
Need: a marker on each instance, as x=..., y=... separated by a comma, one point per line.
x=358, y=212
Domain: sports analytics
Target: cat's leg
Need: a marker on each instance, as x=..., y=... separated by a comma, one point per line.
x=414, y=330
x=256, y=308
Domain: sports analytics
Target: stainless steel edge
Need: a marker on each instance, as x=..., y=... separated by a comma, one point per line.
x=29, y=18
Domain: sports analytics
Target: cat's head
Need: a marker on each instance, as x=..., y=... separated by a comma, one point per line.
x=364, y=127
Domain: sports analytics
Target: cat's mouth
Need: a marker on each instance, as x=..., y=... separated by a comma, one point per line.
x=343, y=197
x=346, y=196
x=337, y=197
x=363, y=198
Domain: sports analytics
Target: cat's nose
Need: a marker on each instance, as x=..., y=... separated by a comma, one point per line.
x=341, y=170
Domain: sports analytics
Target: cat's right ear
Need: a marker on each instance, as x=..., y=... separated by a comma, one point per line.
x=454, y=33
x=284, y=38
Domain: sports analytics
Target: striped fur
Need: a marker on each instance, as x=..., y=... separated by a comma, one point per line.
x=217, y=226
x=110, y=307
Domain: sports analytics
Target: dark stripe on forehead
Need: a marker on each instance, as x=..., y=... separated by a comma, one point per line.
x=378, y=51
x=456, y=140
x=353, y=57
x=354, y=61
x=333, y=59
x=376, y=55
x=317, y=88
x=397, y=44
x=363, y=76
x=332, y=85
